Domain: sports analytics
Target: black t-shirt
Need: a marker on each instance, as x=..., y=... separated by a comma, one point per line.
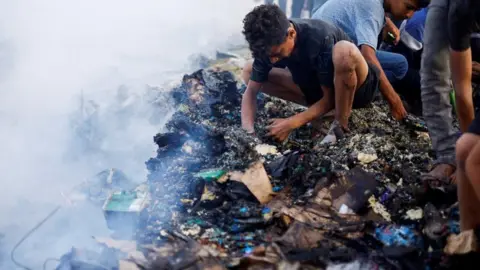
x=311, y=60
x=463, y=20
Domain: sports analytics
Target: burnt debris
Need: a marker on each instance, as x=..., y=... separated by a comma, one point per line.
x=221, y=198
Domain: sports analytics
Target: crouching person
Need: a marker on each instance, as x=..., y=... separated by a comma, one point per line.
x=309, y=62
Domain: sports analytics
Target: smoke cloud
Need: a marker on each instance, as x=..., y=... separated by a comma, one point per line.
x=64, y=61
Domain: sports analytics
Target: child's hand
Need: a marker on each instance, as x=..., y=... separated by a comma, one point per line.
x=280, y=128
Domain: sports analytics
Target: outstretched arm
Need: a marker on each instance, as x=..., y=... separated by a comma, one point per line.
x=249, y=105
x=393, y=99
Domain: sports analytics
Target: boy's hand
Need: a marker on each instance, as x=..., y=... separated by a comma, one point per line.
x=280, y=128
x=390, y=27
x=398, y=110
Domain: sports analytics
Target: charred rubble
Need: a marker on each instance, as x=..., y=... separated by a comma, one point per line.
x=221, y=198
x=358, y=201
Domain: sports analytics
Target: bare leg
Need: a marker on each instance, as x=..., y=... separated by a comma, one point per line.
x=468, y=172
x=351, y=71
x=280, y=84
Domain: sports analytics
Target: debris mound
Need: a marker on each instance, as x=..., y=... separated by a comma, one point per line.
x=222, y=198
x=256, y=203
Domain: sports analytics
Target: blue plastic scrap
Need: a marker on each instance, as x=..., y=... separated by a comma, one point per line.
x=395, y=235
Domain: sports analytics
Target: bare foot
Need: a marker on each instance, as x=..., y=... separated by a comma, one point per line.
x=440, y=175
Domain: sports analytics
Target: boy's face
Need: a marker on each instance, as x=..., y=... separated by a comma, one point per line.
x=403, y=9
x=285, y=49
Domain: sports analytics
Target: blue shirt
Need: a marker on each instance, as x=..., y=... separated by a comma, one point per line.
x=361, y=20
x=317, y=4
x=416, y=25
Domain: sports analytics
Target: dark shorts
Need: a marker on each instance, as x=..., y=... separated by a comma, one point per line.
x=363, y=96
x=475, y=126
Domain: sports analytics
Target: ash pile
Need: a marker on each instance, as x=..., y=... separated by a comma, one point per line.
x=217, y=197
x=246, y=201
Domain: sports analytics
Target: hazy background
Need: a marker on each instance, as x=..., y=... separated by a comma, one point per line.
x=56, y=53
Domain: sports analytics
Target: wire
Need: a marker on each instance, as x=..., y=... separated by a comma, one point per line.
x=12, y=254
x=55, y=210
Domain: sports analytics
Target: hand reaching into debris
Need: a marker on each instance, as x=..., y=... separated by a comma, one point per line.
x=280, y=128
x=398, y=110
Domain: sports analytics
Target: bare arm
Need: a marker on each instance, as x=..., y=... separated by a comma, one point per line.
x=318, y=109
x=461, y=64
x=386, y=88
x=249, y=105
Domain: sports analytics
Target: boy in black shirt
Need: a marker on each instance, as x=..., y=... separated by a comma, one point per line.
x=325, y=71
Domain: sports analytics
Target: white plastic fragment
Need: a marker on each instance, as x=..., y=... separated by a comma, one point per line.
x=345, y=210
x=414, y=214
x=366, y=158
x=190, y=230
x=266, y=149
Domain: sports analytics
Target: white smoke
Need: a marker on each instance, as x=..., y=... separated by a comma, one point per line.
x=56, y=54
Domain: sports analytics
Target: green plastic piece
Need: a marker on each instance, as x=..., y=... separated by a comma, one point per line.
x=452, y=100
x=121, y=201
x=211, y=174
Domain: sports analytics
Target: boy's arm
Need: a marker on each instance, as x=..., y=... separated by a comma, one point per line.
x=460, y=16
x=393, y=99
x=367, y=31
x=318, y=109
x=249, y=106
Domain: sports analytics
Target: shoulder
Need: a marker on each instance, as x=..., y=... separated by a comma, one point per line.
x=370, y=9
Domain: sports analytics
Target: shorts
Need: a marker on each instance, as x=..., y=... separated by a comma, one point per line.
x=475, y=126
x=364, y=95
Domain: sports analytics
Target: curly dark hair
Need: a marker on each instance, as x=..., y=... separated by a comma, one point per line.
x=263, y=27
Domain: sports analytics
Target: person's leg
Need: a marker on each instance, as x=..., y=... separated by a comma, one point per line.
x=435, y=89
x=350, y=73
x=283, y=5
x=280, y=84
x=297, y=6
x=468, y=172
x=394, y=65
x=400, y=48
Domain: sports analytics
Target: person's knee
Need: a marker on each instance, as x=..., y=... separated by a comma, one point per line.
x=247, y=71
x=472, y=161
x=344, y=56
x=463, y=149
x=402, y=67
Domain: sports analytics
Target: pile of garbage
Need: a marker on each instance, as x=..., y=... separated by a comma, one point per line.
x=217, y=197
x=253, y=201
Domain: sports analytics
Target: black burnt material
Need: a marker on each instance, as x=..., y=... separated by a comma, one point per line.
x=320, y=213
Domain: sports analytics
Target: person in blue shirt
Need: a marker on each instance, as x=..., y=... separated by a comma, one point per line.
x=364, y=21
x=411, y=47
